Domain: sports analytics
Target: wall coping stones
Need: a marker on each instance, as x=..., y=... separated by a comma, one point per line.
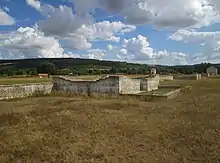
x=91, y=81
x=26, y=84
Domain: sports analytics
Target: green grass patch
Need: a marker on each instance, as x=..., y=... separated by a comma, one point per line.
x=9, y=81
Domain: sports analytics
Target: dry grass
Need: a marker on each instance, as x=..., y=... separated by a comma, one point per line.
x=92, y=77
x=23, y=80
x=73, y=129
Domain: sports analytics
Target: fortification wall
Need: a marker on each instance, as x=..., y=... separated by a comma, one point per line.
x=24, y=90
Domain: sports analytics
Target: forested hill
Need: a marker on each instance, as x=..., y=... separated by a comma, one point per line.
x=90, y=66
x=70, y=63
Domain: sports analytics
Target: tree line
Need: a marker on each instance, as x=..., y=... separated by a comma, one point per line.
x=32, y=67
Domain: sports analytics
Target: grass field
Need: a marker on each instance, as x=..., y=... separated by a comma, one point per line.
x=185, y=129
x=23, y=80
x=92, y=77
x=160, y=91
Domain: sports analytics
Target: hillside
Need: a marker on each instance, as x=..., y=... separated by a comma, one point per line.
x=91, y=66
x=70, y=63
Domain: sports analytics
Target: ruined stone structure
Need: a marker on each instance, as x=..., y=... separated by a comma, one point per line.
x=211, y=71
x=166, y=77
x=24, y=90
x=105, y=85
x=188, y=77
x=153, y=72
x=149, y=84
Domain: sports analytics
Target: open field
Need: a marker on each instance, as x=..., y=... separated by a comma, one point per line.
x=25, y=80
x=92, y=77
x=78, y=129
x=159, y=91
x=22, y=80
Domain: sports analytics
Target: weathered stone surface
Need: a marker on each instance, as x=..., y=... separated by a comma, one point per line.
x=106, y=85
x=23, y=90
x=149, y=84
x=129, y=86
x=188, y=77
x=165, y=77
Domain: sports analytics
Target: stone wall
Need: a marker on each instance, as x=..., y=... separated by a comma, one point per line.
x=149, y=84
x=67, y=86
x=105, y=85
x=173, y=93
x=129, y=86
x=166, y=77
x=188, y=77
x=24, y=90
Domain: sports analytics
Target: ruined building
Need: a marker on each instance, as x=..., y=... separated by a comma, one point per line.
x=109, y=84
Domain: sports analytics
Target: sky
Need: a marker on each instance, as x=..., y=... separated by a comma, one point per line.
x=166, y=32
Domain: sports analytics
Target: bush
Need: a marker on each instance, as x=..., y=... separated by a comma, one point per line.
x=186, y=89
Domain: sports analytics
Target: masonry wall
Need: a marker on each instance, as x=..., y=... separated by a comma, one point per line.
x=152, y=84
x=108, y=85
x=188, y=77
x=165, y=77
x=23, y=90
x=212, y=70
x=67, y=86
x=149, y=84
x=129, y=86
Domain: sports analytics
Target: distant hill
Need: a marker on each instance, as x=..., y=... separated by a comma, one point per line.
x=88, y=65
x=70, y=63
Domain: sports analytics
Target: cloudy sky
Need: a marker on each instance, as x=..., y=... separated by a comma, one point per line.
x=144, y=31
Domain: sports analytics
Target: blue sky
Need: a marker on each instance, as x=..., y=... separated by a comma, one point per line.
x=149, y=31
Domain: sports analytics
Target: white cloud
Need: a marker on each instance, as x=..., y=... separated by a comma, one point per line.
x=83, y=37
x=96, y=54
x=61, y=22
x=104, y=30
x=191, y=35
x=123, y=51
x=83, y=6
x=78, y=32
x=166, y=13
x=78, y=42
x=6, y=19
x=137, y=49
x=34, y=3
x=73, y=55
x=209, y=42
x=30, y=43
